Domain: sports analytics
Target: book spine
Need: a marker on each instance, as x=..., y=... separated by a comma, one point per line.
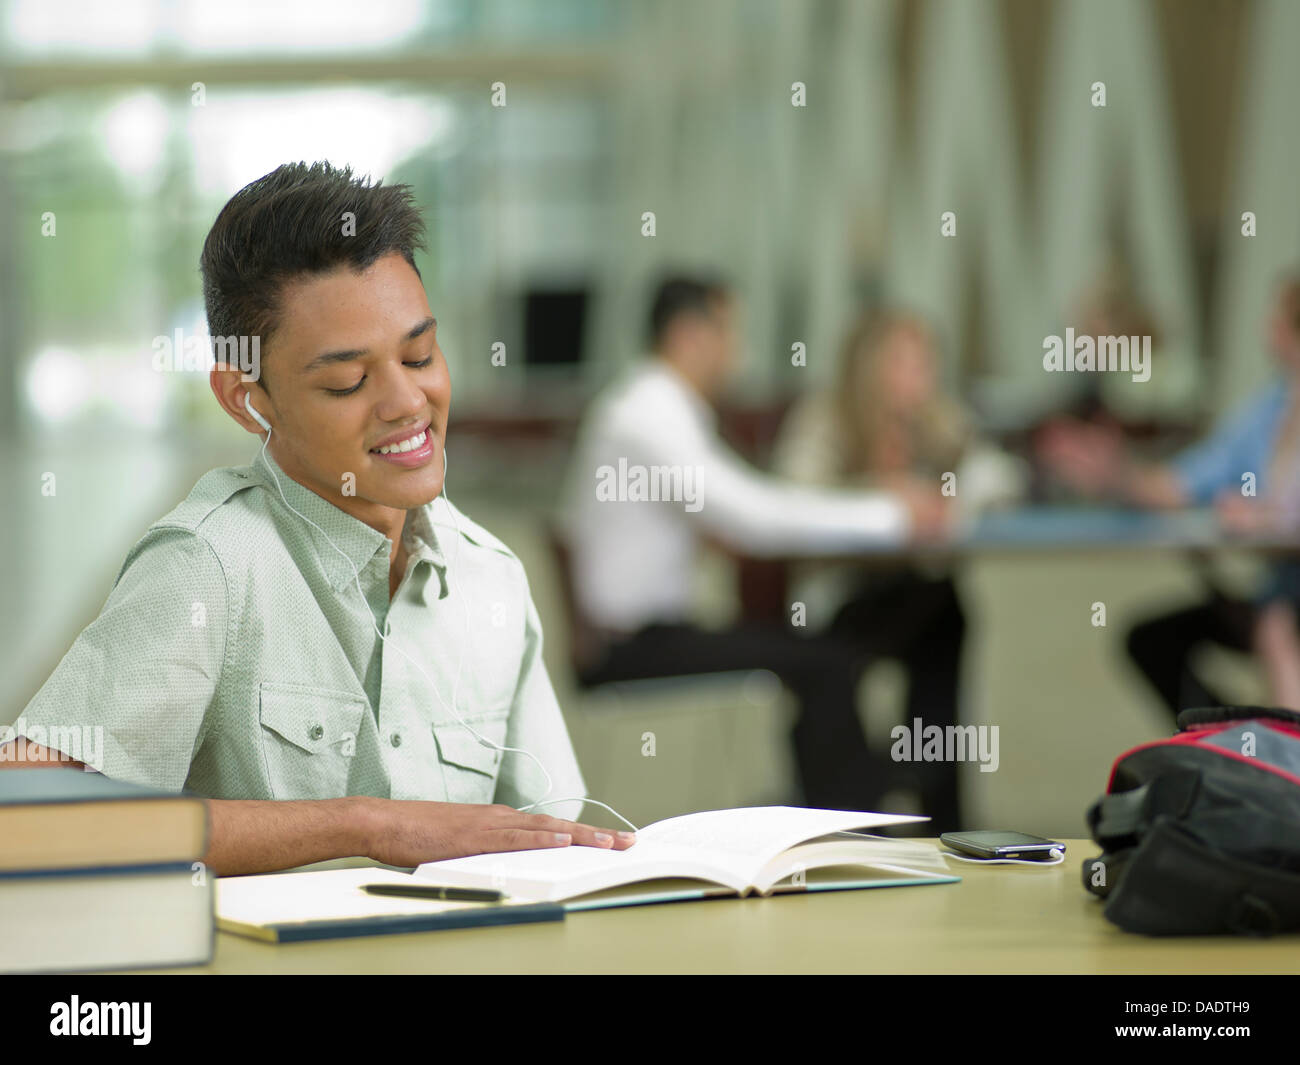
x=383, y=926
x=100, y=870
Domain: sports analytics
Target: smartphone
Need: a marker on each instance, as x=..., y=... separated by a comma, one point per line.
x=1002, y=845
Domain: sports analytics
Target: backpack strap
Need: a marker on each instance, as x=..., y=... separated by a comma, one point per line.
x=1218, y=715
x=1113, y=819
x=1119, y=820
x=1119, y=823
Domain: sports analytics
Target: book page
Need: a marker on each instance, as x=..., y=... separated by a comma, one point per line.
x=554, y=873
x=746, y=839
x=855, y=878
x=327, y=895
x=870, y=854
x=645, y=892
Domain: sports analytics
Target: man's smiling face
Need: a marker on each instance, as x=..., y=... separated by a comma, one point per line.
x=354, y=366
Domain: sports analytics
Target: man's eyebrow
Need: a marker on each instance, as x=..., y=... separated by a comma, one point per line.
x=329, y=358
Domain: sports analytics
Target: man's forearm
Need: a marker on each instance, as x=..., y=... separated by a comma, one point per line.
x=263, y=836
x=257, y=835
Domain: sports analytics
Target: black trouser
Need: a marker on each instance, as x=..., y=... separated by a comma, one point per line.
x=915, y=620
x=1162, y=647
x=919, y=622
x=836, y=770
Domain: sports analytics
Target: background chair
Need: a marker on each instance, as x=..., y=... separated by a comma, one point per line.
x=651, y=728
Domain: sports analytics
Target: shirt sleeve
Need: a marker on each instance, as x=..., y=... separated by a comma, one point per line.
x=132, y=693
x=761, y=514
x=1239, y=445
x=537, y=725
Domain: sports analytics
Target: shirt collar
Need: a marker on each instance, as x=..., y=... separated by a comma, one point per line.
x=703, y=410
x=421, y=536
x=357, y=541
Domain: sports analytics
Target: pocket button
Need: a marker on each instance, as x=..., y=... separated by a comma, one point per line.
x=316, y=732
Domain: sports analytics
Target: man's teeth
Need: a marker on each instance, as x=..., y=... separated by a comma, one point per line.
x=406, y=445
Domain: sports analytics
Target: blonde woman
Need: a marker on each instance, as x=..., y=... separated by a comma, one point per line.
x=885, y=425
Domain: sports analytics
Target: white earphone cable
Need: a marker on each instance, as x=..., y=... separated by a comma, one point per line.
x=482, y=740
x=1057, y=854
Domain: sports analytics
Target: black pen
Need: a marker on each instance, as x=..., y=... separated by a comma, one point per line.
x=433, y=891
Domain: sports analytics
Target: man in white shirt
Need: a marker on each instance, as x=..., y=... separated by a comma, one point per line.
x=651, y=478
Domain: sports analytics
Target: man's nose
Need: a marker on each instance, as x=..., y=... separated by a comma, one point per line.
x=400, y=396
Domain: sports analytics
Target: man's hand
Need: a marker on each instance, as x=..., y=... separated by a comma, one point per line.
x=407, y=832
x=1088, y=458
x=1246, y=516
x=931, y=513
x=1092, y=460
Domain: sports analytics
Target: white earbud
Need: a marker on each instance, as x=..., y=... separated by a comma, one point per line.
x=248, y=406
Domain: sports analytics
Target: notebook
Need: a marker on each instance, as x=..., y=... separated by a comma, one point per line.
x=754, y=850
x=329, y=904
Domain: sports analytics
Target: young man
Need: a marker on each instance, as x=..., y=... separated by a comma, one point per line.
x=634, y=549
x=240, y=653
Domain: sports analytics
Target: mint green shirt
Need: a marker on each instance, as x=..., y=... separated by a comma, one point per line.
x=235, y=657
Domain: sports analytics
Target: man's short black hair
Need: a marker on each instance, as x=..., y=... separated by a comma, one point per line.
x=678, y=295
x=296, y=220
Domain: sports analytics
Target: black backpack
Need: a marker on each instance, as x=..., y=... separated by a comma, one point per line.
x=1200, y=832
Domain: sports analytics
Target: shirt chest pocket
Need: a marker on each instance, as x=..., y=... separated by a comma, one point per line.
x=469, y=768
x=309, y=739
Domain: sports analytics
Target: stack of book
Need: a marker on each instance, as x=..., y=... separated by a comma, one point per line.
x=100, y=874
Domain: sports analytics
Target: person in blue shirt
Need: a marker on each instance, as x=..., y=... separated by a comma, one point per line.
x=1248, y=468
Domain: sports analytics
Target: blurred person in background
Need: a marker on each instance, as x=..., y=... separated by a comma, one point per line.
x=885, y=426
x=1261, y=439
x=1110, y=307
x=634, y=558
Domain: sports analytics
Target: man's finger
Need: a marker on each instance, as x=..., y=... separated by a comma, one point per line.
x=583, y=835
x=521, y=839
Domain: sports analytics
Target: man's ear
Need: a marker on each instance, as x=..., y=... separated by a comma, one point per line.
x=228, y=386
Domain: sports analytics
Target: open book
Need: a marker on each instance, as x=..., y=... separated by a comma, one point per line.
x=761, y=850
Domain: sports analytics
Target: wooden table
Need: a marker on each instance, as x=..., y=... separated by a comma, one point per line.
x=999, y=919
